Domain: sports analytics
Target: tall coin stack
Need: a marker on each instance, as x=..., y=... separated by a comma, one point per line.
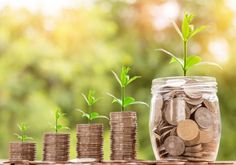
x=22, y=151
x=123, y=135
x=56, y=147
x=90, y=141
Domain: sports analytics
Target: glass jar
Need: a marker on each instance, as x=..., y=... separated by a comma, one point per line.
x=185, y=118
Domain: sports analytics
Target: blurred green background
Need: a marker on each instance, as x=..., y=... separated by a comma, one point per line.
x=52, y=51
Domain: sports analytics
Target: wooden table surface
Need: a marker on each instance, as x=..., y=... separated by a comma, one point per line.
x=135, y=162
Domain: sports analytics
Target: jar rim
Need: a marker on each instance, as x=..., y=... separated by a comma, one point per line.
x=179, y=83
x=199, y=78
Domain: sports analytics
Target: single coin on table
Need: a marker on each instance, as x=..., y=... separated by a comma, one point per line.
x=187, y=130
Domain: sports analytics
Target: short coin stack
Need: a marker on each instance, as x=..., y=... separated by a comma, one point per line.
x=123, y=135
x=22, y=151
x=90, y=141
x=56, y=147
x=187, y=123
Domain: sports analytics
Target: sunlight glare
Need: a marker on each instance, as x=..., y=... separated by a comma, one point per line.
x=163, y=13
x=219, y=48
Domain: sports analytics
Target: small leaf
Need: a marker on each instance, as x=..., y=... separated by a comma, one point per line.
x=117, y=78
x=115, y=100
x=124, y=77
x=173, y=60
x=210, y=63
x=186, y=25
x=18, y=136
x=102, y=117
x=133, y=78
x=93, y=115
x=86, y=116
x=197, y=30
x=91, y=97
x=173, y=56
x=192, y=60
x=177, y=29
x=128, y=101
x=139, y=102
x=83, y=113
x=28, y=138
x=85, y=98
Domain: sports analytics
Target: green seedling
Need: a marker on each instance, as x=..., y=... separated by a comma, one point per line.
x=58, y=115
x=23, y=129
x=186, y=33
x=124, y=80
x=91, y=100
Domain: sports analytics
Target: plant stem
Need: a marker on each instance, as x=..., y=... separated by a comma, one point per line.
x=123, y=98
x=56, y=125
x=89, y=112
x=185, y=57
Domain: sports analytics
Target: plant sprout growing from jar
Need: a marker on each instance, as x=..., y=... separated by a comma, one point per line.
x=186, y=33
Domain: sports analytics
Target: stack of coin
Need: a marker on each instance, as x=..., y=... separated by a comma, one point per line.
x=56, y=147
x=90, y=141
x=123, y=135
x=22, y=151
x=185, y=121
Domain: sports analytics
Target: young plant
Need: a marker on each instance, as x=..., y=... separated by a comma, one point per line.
x=91, y=100
x=186, y=33
x=23, y=129
x=124, y=80
x=57, y=127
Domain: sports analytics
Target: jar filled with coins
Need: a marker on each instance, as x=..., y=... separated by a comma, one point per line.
x=185, y=118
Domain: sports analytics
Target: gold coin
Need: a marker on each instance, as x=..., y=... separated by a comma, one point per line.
x=187, y=130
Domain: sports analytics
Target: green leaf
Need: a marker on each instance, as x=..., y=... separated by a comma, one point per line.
x=102, y=117
x=173, y=60
x=139, y=102
x=93, y=115
x=128, y=101
x=85, y=98
x=124, y=77
x=80, y=110
x=18, y=136
x=177, y=29
x=22, y=127
x=83, y=113
x=197, y=30
x=117, y=78
x=28, y=138
x=132, y=79
x=180, y=61
x=209, y=63
x=187, y=28
x=115, y=100
x=191, y=61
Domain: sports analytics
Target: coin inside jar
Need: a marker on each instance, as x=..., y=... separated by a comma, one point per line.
x=175, y=111
x=174, y=145
x=203, y=117
x=187, y=130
